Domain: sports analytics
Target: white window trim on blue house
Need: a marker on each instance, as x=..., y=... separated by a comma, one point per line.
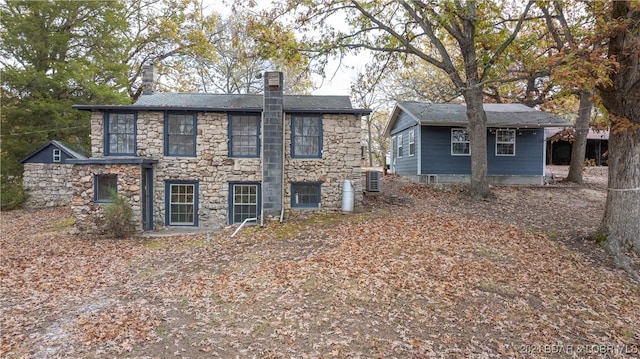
x=183, y=132
x=57, y=155
x=466, y=150
x=400, y=145
x=412, y=143
x=505, y=146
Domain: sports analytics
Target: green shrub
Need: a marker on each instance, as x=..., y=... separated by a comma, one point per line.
x=13, y=194
x=118, y=216
x=601, y=236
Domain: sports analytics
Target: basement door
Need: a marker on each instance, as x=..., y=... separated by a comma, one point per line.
x=147, y=198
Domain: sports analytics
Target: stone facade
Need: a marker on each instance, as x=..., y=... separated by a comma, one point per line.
x=48, y=184
x=214, y=170
x=340, y=161
x=88, y=213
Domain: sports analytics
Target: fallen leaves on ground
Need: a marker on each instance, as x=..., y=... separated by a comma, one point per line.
x=442, y=277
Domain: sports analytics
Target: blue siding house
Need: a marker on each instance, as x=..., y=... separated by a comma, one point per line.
x=430, y=142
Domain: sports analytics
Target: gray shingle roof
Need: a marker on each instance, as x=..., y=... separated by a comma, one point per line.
x=201, y=100
x=498, y=115
x=225, y=103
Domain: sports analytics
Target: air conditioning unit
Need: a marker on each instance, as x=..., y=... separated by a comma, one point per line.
x=373, y=181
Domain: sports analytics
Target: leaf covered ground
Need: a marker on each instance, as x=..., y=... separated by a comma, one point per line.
x=420, y=272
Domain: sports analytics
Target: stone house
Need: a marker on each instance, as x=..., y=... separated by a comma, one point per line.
x=207, y=160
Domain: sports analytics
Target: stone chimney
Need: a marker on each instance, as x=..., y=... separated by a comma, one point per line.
x=272, y=144
x=148, y=79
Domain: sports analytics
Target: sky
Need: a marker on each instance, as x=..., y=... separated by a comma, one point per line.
x=339, y=75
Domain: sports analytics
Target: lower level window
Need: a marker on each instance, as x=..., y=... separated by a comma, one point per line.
x=244, y=202
x=182, y=204
x=305, y=194
x=104, y=186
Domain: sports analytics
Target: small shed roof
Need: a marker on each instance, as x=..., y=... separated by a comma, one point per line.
x=561, y=133
x=451, y=114
x=232, y=103
x=53, y=143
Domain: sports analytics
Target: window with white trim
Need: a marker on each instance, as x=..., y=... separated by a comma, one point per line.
x=412, y=142
x=460, y=143
x=57, y=155
x=245, y=202
x=505, y=142
x=394, y=151
x=400, y=145
x=182, y=203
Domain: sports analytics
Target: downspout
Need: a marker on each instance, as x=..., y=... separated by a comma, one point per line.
x=418, y=144
x=284, y=120
x=262, y=169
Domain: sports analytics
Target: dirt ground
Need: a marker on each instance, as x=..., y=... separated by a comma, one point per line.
x=421, y=271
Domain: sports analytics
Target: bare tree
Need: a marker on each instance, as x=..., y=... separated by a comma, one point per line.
x=464, y=39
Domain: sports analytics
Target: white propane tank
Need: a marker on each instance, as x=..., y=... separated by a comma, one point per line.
x=348, y=196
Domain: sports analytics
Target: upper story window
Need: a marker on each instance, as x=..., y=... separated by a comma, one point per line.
x=460, y=143
x=180, y=134
x=400, y=146
x=57, y=155
x=244, y=135
x=505, y=142
x=306, y=136
x=120, y=134
x=412, y=142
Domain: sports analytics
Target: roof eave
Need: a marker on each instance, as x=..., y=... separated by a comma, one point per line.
x=497, y=125
x=346, y=111
x=163, y=108
x=392, y=119
x=350, y=111
x=114, y=160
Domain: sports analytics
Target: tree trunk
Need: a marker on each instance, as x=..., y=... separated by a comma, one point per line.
x=621, y=221
x=478, y=134
x=579, y=146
